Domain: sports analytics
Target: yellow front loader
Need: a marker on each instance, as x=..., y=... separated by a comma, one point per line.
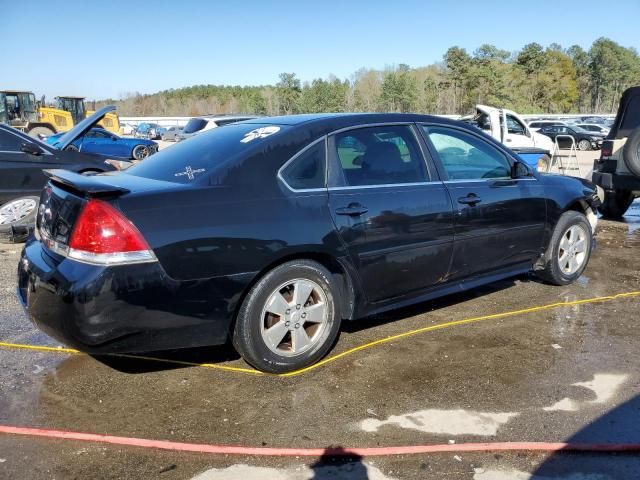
x=21, y=110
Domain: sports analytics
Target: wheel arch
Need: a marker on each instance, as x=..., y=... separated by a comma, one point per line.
x=340, y=271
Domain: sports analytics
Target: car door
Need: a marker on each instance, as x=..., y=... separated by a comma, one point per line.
x=517, y=133
x=499, y=220
x=393, y=216
x=21, y=173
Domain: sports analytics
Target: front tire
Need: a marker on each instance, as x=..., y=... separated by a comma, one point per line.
x=290, y=319
x=616, y=203
x=568, y=251
x=544, y=162
x=584, y=145
x=139, y=152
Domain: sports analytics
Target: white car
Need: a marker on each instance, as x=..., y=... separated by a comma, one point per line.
x=207, y=122
x=127, y=128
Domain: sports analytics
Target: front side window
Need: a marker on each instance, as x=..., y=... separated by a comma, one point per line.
x=514, y=126
x=467, y=157
x=379, y=156
x=307, y=170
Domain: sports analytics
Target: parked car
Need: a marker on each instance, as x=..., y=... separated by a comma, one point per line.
x=509, y=128
x=595, y=128
x=536, y=125
x=273, y=231
x=150, y=131
x=568, y=135
x=22, y=159
x=99, y=140
x=617, y=171
x=127, y=128
x=202, y=124
x=171, y=133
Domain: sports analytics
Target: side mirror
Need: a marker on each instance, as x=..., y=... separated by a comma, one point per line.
x=520, y=170
x=31, y=149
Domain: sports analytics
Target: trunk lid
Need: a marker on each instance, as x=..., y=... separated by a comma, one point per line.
x=65, y=195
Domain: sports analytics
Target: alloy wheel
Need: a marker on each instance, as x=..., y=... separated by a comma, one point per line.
x=294, y=317
x=573, y=250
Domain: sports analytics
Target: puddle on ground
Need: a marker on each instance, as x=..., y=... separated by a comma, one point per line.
x=451, y=422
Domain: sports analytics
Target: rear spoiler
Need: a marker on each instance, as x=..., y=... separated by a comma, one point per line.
x=89, y=186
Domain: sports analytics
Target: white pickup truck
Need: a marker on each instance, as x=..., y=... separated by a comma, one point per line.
x=509, y=128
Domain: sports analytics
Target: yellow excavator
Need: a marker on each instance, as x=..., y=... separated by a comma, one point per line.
x=21, y=110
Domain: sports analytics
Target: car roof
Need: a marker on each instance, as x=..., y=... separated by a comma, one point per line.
x=340, y=120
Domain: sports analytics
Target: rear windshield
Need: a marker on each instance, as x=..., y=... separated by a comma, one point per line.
x=205, y=153
x=195, y=125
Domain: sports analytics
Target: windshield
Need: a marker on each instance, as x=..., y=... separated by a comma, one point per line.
x=195, y=125
x=204, y=153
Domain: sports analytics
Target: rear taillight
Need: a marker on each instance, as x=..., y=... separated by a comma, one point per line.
x=607, y=149
x=102, y=235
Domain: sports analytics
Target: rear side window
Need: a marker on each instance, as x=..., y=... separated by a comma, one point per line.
x=307, y=170
x=379, y=156
x=195, y=125
x=205, y=153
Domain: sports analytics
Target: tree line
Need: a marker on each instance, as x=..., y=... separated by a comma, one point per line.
x=532, y=80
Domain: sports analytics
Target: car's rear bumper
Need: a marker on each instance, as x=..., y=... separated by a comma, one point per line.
x=129, y=308
x=612, y=181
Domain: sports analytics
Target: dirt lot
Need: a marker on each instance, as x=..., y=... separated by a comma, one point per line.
x=564, y=372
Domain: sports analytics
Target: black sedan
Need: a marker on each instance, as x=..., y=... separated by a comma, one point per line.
x=22, y=159
x=273, y=231
x=567, y=136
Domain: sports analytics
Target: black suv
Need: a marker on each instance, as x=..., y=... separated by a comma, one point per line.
x=618, y=170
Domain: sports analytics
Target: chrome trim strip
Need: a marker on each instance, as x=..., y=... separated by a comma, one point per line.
x=487, y=180
x=385, y=185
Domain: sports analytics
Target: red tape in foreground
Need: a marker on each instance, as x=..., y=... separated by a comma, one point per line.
x=317, y=452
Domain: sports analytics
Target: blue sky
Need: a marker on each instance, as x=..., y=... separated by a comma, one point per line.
x=108, y=48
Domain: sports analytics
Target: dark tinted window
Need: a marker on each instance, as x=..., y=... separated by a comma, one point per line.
x=10, y=142
x=308, y=169
x=195, y=125
x=227, y=121
x=467, y=157
x=379, y=156
x=631, y=118
x=205, y=153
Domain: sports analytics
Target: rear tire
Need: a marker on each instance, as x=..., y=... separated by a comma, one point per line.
x=17, y=218
x=615, y=203
x=568, y=251
x=38, y=132
x=290, y=319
